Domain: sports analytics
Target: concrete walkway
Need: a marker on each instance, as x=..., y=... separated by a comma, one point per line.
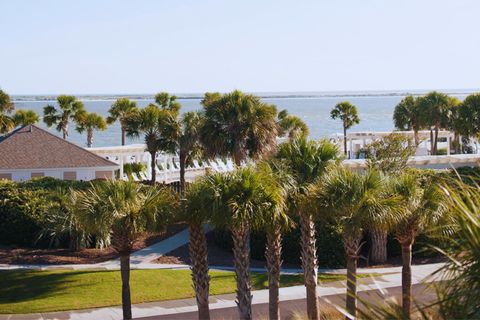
x=421, y=273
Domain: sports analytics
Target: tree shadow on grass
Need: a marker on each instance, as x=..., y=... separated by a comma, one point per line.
x=24, y=285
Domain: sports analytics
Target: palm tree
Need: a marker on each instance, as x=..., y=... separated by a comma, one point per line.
x=291, y=126
x=189, y=146
x=469, y=114
x=355, y=202
x=25, y=117
x=6, y=106
x=407, y=116
x=159, y=128
x=307, y=161
x=68, y=110
x=119, y=111
x=276, y=220
x=197, y=210
x=238, y=125
x=241, y=199
x=435, y=108
x=89, y=122
x=422, y=208
x=456, y=123
x=123, y=210
x=348, y=113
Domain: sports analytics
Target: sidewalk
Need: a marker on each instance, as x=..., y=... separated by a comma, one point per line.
x=389, y=279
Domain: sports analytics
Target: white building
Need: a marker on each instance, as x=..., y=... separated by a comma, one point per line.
x=30, y=152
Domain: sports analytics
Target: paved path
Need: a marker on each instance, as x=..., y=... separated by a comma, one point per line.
x=421, y=273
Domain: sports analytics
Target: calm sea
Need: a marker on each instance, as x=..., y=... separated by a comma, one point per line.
x=375, y=113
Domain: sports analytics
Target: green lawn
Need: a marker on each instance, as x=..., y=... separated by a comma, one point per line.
x=23, y=291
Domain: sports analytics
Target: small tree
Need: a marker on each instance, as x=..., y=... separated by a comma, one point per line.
x=355, y=201
x=120, y=111
x=435, y=108
x=69, y=108
x=407, y=116
x=189, y=146
x=89, y=122
x=6, y=106
x=307, y=161
x=348, y=113
x=25, y=117
x=291, y=126
x=389, y=155
x=422, y=208
x=123, y=210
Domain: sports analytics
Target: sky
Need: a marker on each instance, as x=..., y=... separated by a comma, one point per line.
x=147, y=46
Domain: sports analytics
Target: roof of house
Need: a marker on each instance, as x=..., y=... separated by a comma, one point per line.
x=31, y=147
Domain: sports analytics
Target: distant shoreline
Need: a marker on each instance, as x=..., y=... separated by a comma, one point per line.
x=264, y=95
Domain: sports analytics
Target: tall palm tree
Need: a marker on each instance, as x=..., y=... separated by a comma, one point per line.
x=354, y=201
x=68, y=110
x=455, y=123
x=276, y=220
x=422, y=208
x=347, y=112
x=197, y=210
x=435, y=108
x=238, y=125
x=123, y=210
x=189, y=146
x=119, y=111
x=89, y=122
x=240, y=201
x=159, y=128
x=6, y=106
x=291, y=126
x=25, y=117
x=307, y=161
x=469, y=115
x=407, y=116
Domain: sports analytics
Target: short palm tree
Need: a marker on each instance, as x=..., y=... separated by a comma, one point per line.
x=307, y=162
x=355, y=201
x=196, y=211
x=407, y=116
x=422, y=208
x=6, y=106
x=240, y=202
x=348, y=113
x=276, y=220
x=123, y=210
x=469, y=113
x=89, y=122
x=189, y=146
x=68, y=110
x=291, y=126
x=119, y=111
x=25, y=117
x=159, y=128
x=238, y=125
x=435, y=108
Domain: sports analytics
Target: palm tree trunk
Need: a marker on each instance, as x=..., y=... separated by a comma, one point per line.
x=153, y=164
x=183, y=161
x=351, y=286
x=436, y=139
x=273, y=255
x=65, y=131
x=89, y=138
x=345, y=140
x=379, y=247
x=241, y=256
x=125, y=272
x=199, y=265
x=406, y=277
x=123, y=134
x=309, y=264
x=432, y=145
x=415, y=136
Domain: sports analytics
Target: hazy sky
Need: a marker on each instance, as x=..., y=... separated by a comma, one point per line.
x=141, y=46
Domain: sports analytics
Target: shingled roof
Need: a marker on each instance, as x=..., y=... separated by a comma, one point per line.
x=31, y=147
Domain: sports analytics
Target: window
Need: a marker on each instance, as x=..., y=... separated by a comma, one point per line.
x=70, y=175
x=37, y=174
x=7, y=176
x=103, y=175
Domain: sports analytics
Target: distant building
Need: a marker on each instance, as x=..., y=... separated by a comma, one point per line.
x=30, y=152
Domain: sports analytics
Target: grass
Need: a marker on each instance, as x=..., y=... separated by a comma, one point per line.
x=27, y=291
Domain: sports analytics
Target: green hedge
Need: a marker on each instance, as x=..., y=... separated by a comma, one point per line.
x=24, y=207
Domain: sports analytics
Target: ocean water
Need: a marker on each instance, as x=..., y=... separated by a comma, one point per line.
x=375, y=112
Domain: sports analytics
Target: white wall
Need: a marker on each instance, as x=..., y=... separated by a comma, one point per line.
x=85, y=174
